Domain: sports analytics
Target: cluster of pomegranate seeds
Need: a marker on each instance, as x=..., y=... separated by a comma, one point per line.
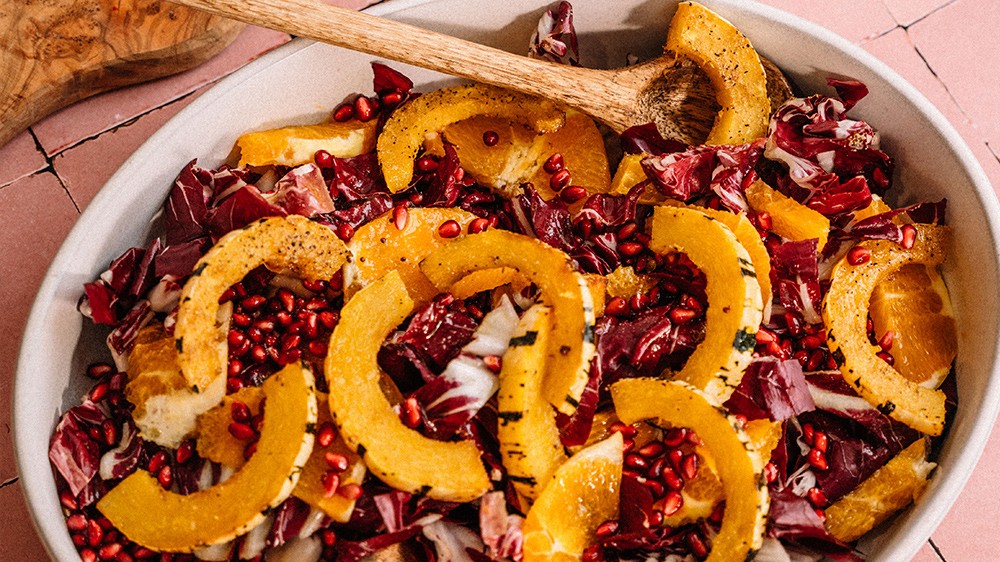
x=272, y=328
x=817, y=442
x=337, y=464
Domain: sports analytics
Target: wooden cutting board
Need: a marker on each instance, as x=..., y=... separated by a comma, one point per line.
x=56, y=52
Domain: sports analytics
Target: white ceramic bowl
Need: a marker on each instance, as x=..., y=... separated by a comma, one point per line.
x=301, y=82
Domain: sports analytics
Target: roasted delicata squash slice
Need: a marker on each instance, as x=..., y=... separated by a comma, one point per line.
x=398, y=455
x=161, y=520
x=380, y=246
x=789, y=218
x=845, y=312
x=734, y=68
x=734, y=299
x=292, y=245
x=582, y=494
x=296, y=145
x=216, y=444
x=891, y=488
x=561, y=288
x=529, y=437
x=404, y=133
x=738, y=462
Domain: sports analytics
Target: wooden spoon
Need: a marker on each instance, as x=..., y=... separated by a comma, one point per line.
x=672, y=93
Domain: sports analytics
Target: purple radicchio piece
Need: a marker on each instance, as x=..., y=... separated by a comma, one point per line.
x=646, y=139
x=883, y=227
x=121, y=461
x=554, y=38
x=796, y=278
x=302, y=191
x=75, y=456
x=771, y=389
x=357, y=178
x=644, y=345
x=387, y=80
x=500, y=531
x=725, y=171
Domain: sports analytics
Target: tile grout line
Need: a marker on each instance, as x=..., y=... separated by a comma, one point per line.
x=938, y=78
x=928, y=14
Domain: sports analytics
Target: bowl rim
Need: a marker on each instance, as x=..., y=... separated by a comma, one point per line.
x=37, y=485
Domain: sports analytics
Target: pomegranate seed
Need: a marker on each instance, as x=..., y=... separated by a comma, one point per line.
x=672, y=502
x=671, y=479
x=411, y=413
x=765, y=336
x=109, y=551
x=607, y=529
x=675, y=437
x=554, y=163
x=820, y=441
x=241, y=431
x=317, y=348
x=427, y=164
x=76, y=522
x=652, y=449
x=400, y=217
x=344, y=112
x=99, y=392
x=770, y=472
x=494, y=363
x=184, y=452
x=627, y=431
x=478, y=225
x=817, y=497
x=656, y=488
x=616, y=307
x=240, y=411
x=559, y=180
x=157, y=461
x=165, y=477
x=331, y=482
x=681, y=315
x=656, y=469
x=449, y=229
x=95, y=534
x=110, y=432
x=364, y=108
x=249, y=450
x=821, y=514
x=337, y=461
x=636, y=461
x=697, y=545
x=345, y=232
x=858, y=255
x=628, y=445
x=98, y=370
x=490, y=138
x=233, y=384
x=816, y=360
x=87, y=555
x=817, y=459
x=630, y=248
x=592, y=553
x=350, y=491
x=392, y=98
x=626, y=231
x=689, y=467
x=253, y=302
x=234, y=368
x=323, y=159
x=329, y=319
x=741, y=419
x=676, y=456
x=808, y=433
x=638, y=302
x=124, y=557
x=885, y=342
x=328, y=537
x=78, y=540
x=886, y=357
x=656, y=518
x=326, y=434
x=764, y=220
x=258, y=354
x=909, y=236
x=573, y=194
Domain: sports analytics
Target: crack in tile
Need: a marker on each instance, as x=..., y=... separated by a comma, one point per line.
x=936, y=77
x=9, y=481
x=993, y=152
x=925, y=16
x=936, y=550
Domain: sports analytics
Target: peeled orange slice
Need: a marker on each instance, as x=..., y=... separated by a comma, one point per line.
x=581, y=146
x=582, y=494
x=891, y=488
x=790, y=219
x=297, y=145
x=913, y=303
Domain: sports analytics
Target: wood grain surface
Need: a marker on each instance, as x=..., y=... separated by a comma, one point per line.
x=56, y=52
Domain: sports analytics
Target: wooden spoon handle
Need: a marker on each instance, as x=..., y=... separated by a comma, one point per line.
x=589, y=90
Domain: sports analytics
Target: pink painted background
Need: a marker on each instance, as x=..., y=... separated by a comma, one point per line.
x=48, y=175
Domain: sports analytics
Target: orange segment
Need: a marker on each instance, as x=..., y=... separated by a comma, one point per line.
x=894, y=486
x=790, y=218
x=582, y=494
x=582, y=147
x=380, y=246
x=296, y=145
x=913, y=303
x=630, y=174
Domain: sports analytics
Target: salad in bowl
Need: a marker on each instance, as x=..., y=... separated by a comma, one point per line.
x=463, y=323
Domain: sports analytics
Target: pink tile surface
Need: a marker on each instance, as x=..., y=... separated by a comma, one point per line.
x=906, y=12
x=91, y=117
x=91, y=139
x=86, y=167
x=959, y=42
x=856, y=20
x=20, y=157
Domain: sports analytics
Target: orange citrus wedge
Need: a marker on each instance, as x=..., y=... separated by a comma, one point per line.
x=582, y=494
x=297, y=145
x=913, y=303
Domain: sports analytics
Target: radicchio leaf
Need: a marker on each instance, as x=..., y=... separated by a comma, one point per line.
x=645, y=345
x=386, y=80
x=302, y=191
x=795, y=272
x=646, y=139
x=74, y=455
x=771, y=389
x=882, y=226
x=358, y=177
x=723, y=170
x=187, y=205
x=554, y=38
x=451, y=541
x=240, y=207
x=123, y=459
x=290, y=517
x=500, y=531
